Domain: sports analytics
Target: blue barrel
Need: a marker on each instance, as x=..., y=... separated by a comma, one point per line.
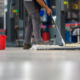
x=73, y=38
x=67, y=36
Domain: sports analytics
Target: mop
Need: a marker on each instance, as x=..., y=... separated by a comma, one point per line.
x=49, y=47
x=58, y=31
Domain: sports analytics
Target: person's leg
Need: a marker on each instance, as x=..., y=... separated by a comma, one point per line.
x=36, y=22
x=28, y=31
x=35, y=18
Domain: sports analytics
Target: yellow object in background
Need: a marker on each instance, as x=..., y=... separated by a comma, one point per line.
x=67, y=6
x=65, y=2
x=14, y=11
x=76, y=6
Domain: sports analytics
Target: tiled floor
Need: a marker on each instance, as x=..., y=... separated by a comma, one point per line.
x=19, y=64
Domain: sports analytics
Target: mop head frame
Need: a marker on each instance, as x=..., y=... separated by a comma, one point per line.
x=54, y=47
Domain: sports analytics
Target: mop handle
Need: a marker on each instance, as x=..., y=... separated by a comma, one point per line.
x=58, y=31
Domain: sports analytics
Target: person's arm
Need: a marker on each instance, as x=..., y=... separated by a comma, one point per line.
x=48, y=10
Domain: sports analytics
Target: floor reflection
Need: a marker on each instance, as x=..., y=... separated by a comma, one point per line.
x=39, y=65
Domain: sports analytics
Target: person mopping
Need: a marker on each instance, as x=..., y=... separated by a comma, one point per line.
x=33, y=7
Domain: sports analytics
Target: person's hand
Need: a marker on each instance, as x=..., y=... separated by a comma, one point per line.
x=49, y=11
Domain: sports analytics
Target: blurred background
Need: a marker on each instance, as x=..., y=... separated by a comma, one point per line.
x=66, y=13
x=19, y=64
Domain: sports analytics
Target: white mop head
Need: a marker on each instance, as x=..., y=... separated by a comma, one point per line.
x=44, y=47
